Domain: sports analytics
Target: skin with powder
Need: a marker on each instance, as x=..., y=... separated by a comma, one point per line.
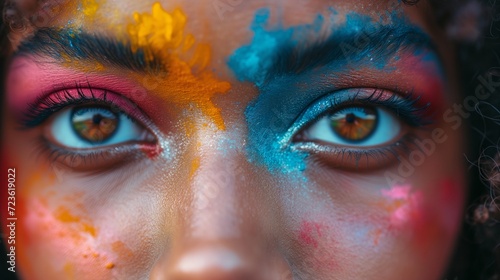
x=239, y=140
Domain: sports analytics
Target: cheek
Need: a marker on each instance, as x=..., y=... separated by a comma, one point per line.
x=440, y=215
x=60, y=242
x=405, y=224
x=318, y=243
x=60, y=235
x=423, y=219
x=53, y=234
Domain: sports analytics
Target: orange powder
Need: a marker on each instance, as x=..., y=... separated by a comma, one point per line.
x=87, y=12
x=63, y=215
x=69, y=271
x=195, y=164
x=94, y=66
x=110, y=265
x=89, y=8
x=161, y=34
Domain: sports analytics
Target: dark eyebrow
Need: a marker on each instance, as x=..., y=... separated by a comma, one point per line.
x=64, y=44
x=380, y=44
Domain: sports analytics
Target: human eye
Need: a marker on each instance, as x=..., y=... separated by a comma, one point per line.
x=91, y=127
x=360, y=128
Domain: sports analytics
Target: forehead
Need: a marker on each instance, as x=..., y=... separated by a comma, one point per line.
x=205, y=16
x=222, y=23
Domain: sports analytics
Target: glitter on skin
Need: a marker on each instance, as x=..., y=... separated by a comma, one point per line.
x=161, y=34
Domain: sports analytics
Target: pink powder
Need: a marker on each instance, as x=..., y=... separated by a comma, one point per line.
x=309, y=233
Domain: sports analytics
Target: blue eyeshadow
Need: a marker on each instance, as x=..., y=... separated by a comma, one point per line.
x=282, y=63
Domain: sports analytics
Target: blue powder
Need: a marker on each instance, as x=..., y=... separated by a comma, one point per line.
x=256, y=62
x=249, y=62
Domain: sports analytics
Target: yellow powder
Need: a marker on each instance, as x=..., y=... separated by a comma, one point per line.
x=122, y=250
x=69, y=271
x=86, y=66
x=65, y=216
x=195, y=164
x=110, y=265
x=89, y=8
x=89, y=229
x=161, y=34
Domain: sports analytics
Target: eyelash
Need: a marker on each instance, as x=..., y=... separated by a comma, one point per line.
x=81, y=159
x=44, y=107
x=405, y=107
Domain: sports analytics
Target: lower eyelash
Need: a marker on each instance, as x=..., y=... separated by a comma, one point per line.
x=353, y=157
x=86, y=158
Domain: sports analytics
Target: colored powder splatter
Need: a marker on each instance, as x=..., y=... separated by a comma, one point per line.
x=403, y=208
x=88, y=12
x=195, y=164
x=319, y=245
x=250, y=62
x=69, y=271
x=89, y=8
x=403, y=205
x=161, y=34
x=257, y=61
x=151, y=151
x=122, y=250
x=63, y=215
x=377, y=233
x=309, y=233
x=86, y=66
x=110, y=265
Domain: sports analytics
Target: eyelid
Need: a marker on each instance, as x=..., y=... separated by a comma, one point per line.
x=108, y=157
x=405, y=107
x=44, y=107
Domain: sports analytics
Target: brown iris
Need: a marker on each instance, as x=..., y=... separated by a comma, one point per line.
x=354, y=123
x=94, y=124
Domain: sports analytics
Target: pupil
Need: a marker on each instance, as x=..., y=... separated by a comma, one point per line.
x=94, y=124
x=96, y=119
x=354, y=123
x=350, y=118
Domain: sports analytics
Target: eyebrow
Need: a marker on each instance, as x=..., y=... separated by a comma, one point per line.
x=83, y=46
x=379, y=44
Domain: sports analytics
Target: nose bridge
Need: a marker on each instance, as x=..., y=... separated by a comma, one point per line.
x=222, y=231
x=218, y=208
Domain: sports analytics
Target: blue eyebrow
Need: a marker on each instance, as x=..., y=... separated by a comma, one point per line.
x=295, y=50
x=289, y=65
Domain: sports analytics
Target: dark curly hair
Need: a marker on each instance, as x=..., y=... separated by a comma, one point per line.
x=477, y=255
x=474, y=26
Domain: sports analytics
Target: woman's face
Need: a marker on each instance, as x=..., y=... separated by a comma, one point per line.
x=233, y=139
